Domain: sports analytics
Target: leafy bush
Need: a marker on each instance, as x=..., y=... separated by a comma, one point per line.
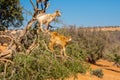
x=117, y=60
x=74, y=51
x=97, y=72
x=45, y=66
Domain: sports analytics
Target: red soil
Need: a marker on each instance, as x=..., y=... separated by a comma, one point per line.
x=110, y=72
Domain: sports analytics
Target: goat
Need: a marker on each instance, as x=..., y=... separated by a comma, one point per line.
x=46, y=19
x=57, y=39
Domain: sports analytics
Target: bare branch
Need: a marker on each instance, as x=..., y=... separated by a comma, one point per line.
x=33, y=4
x=46, y=5
x=6, y=60
x=37, y=3
x=32, y=46
x=46, y=46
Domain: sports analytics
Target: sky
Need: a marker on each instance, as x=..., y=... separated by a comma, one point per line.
x=83, y=12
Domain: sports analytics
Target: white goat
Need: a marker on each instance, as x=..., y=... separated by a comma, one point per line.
x=46, y=19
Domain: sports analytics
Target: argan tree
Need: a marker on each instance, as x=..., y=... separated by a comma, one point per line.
x=15, y=20
x=10, y=14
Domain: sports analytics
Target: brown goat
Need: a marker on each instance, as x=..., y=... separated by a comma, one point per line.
x=57, y=39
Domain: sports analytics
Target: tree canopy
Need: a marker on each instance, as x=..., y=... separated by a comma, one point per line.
x=10, y=14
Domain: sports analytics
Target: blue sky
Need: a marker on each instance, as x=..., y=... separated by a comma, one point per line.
x=83, y=12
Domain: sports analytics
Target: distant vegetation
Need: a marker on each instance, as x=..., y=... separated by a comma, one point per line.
x=95, y=44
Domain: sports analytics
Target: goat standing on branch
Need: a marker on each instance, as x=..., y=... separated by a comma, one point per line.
x=46, y=19
x=57, y=39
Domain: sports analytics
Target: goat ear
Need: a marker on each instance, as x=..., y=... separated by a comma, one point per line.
x=57, y=11
x=69, y=37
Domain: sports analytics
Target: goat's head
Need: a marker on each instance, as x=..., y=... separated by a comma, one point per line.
x=58, y=13
x=69, y=38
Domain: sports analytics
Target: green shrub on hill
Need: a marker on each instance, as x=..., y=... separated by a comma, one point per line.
x=45, y=66
x=97, y=72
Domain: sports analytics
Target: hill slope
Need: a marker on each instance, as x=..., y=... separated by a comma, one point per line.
x=110, y=71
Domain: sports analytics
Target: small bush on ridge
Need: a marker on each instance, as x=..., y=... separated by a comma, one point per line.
x=97, y=72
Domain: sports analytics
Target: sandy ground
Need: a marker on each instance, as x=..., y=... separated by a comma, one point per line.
x=110, y=71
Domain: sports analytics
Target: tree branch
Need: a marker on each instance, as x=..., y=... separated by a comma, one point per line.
x=33, y=5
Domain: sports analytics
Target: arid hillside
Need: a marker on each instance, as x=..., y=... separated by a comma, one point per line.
x=110, y=72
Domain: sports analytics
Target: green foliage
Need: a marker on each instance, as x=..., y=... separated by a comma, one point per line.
x=10, y=14
x=75, y=66
x=74, y=51
x=97, y=72
x=45, y=66
x=117, y=59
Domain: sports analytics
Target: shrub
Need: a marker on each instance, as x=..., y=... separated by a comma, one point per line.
x=117, y=60
x=74, y=51
x=45, y=66
x=76, y=66
x=97, y=72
